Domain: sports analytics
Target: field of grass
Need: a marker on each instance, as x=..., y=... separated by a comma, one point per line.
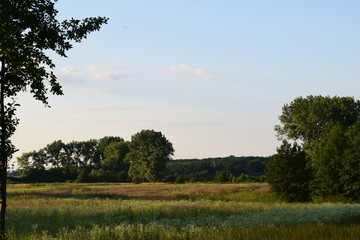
x=171, y=211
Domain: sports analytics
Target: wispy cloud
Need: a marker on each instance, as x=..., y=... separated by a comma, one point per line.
x=114, y=108
x=71, y=74
x=106, y=73
x=185, y=71
x=107, y=91
x=94, y=73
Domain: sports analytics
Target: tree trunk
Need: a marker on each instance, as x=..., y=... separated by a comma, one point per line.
x=3, y=153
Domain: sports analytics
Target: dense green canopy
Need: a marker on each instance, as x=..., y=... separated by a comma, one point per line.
x=327, y=129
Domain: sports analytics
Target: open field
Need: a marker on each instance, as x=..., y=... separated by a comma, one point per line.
x=165, y=211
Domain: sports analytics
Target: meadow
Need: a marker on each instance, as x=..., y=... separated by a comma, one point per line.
x=171, y=211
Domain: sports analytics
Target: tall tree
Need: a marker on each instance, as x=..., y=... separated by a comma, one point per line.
x=29, y=29
x=149, y=153
x=310, y=119
x=114, y=163
x=106, y=141
x=327, y=129
x=54, y=152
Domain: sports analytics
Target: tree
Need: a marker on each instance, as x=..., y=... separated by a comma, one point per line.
x=84, y=153
x=327, y=163
x=149, y=153
x=82, y=177
x=221, y=177
x=243, y=178
x=68, y=159
x=33, y=160
x=350, y=174
x=336, y=164
x=309, y=119
x=54, y=152
x=288, y=175
x=28, y=31
x=105, y=141
x=115, y=154
x=328, y=131
x=255, y=166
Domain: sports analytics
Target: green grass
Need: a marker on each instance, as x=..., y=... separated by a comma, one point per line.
x=155, y=231
x=162, y=211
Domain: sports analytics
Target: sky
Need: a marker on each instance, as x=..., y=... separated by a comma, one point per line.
x=211, y=75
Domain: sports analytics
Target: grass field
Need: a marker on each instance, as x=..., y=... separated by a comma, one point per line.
x=171, y=211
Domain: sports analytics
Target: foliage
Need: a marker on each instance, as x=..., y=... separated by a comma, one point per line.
x=29, y=30
x=243, y=178
x=180, y=180
x=350, y=174
x=288, y=175
x=113, y=162
x=336, y=163
x=106, y=141
x=107, y=159
x=114, y=156
x=221, y=177
x=82, y=177
x=59, y=161
x=309, y=119
x=327, y=163
x=327, y=128
x=60, y=155
x=101, y=160
x=149, y=153
x=206, y=169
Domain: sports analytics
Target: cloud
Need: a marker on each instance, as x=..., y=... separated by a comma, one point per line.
x=94, y=73
x=113, y=108
x=69, y=70
x=186, y=71
x=107, y=73
x=71, y=74
x=107, y=91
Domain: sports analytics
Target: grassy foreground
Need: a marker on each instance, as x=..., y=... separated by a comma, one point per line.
x=165, y=211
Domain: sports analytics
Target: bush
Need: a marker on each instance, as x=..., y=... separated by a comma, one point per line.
x=221, y=177
x=170, y=179
x=83, y=177
x=288, y=175
x=180, y=180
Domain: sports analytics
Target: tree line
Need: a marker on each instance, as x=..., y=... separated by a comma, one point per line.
x=145, y=158
x=319, y=156
x=320, y=152
x=221, y=169
x=109, y=159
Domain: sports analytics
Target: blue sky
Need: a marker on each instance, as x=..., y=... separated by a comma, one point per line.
x=211, y=75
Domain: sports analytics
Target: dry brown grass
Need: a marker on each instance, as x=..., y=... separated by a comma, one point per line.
x=148, y=191
x=171, y=192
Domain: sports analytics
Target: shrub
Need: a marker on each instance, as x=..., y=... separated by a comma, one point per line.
x=288, y=175
x=180, y=180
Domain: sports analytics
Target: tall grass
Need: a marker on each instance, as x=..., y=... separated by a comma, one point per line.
x=159, y=232
x=171, y=212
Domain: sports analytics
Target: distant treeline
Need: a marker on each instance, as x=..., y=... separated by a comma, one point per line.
x=221, y=169
x=146, y=158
